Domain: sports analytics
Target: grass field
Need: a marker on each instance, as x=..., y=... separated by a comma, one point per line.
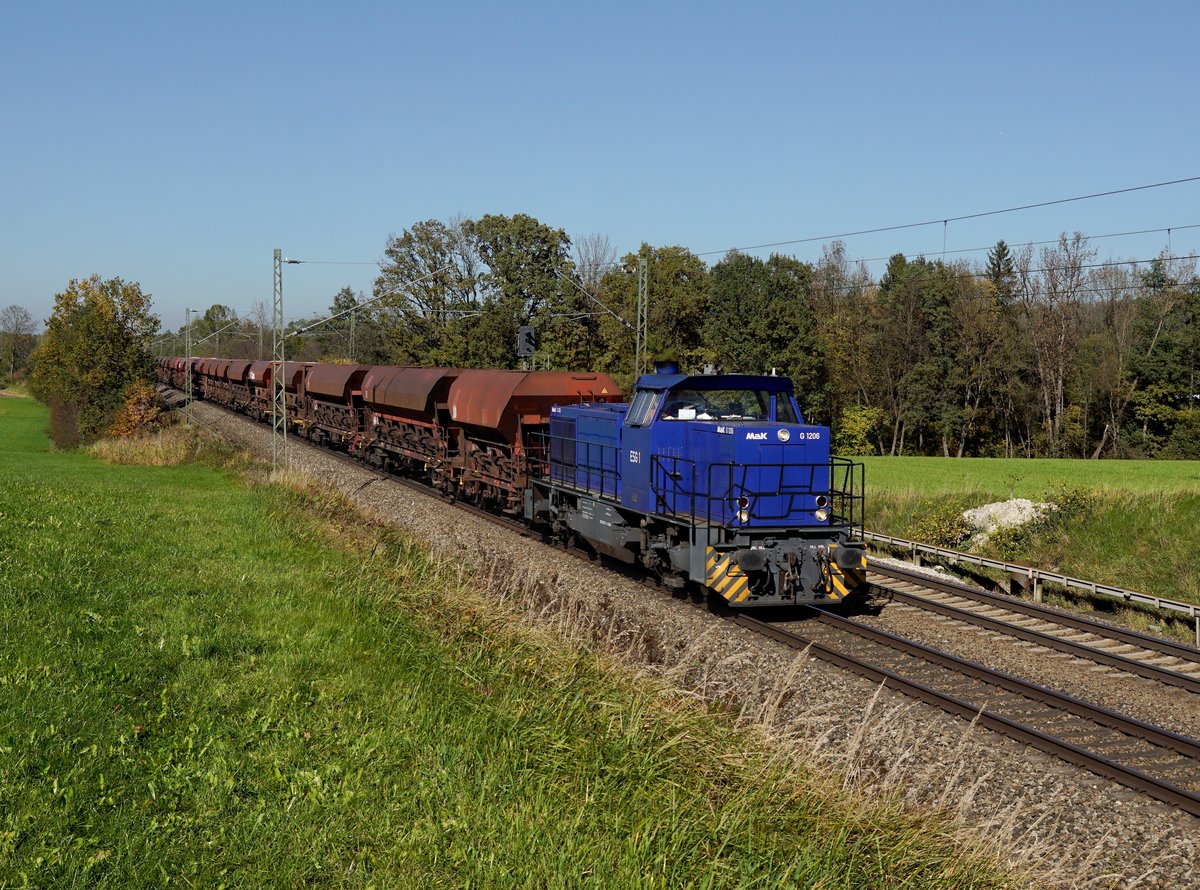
x=1138, y=530
x=199, y=686
x=1000, y=479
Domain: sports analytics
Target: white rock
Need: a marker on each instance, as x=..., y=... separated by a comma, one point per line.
x=1004, y=514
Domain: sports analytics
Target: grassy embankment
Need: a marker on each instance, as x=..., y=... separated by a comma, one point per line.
x=200, y=685
x=1137, y=529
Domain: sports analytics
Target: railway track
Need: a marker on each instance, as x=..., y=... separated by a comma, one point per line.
x=1160, y=763
x=1165, y=661
x=1163, y=764
x=1140, y=756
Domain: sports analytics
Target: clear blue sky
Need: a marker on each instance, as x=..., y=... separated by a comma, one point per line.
x=176, y=145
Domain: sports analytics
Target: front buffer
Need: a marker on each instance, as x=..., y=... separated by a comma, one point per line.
x=785, y=573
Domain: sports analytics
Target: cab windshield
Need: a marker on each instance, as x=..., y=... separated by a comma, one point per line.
x=721, y=404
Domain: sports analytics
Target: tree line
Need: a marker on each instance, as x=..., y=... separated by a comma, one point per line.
x=1033, y=352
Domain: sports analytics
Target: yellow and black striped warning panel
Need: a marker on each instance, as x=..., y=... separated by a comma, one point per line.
x=726, y=577
x=844, y=582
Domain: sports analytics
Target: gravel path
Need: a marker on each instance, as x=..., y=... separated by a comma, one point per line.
x=1066, y=826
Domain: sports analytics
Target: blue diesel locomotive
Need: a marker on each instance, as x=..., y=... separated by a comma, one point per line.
x=713, y=479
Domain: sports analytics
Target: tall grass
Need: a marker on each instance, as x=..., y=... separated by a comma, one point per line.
x=204, y=683
x=875, y=767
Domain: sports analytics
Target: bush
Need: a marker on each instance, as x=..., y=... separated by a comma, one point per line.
x=852, y=435
x=940, y=524
x=1012, y=543
x=1017, y=542
x=1070, y=502
x=142, y=410
x=64, y=423
x=1184, y=442
x=92, y=351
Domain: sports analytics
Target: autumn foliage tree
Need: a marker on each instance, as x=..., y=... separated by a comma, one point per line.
x=93, y=352
x=1031, y=352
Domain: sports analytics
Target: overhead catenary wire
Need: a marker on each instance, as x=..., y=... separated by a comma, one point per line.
x=841, y=289
x=944, y=221
x=949, y=219
x=309, y=327
x=1161, y=230
x=218, y=330
x=831, y=237
x=871, y=281
x=395, y=290
x=1167, y=230
x=292, y=262
x=594, y=299
x=968, y=276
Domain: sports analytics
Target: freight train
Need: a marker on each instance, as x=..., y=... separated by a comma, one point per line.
x=710, y=482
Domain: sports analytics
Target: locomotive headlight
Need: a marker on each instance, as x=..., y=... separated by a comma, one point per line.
x=743, y=515
x=822, y=515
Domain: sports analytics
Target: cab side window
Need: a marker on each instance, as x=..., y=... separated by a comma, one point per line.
x=642, y=408
x=784, y=412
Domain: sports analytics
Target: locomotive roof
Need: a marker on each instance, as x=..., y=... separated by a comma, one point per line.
x=715, y=381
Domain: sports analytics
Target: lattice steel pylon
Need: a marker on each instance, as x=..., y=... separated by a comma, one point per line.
x=640, y=348
x=278, y=393
x=187, y=363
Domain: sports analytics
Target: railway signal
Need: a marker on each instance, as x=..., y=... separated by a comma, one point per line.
x=526, y=345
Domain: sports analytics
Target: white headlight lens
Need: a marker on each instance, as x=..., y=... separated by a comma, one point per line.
x=822, y=515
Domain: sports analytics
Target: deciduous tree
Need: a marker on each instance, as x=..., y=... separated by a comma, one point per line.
x=678, y=288
x=428, y=292
x=1050, y=292
x=94, y=348
x=760, y=317
x=529, y=282
x=16, y=336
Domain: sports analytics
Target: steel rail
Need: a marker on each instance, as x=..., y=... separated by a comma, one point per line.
x=1036, y=577
x=1036, y=610
x=1049, y=640
x=1112, y=719
x=1158, y=788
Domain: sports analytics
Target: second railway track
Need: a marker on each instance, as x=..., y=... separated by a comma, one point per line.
x=1154, y=658
x=1138, y=755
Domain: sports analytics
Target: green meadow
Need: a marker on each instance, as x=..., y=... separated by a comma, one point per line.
x=1137, y=527
x=204, y=683
x=1001, y=478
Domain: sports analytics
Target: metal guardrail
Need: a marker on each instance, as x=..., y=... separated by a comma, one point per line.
x=1030, y=577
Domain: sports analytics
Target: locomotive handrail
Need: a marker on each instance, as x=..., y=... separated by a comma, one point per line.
x=844, y=502
x=848, y=497
x=660, y=493
x=595, y=468
x=1035, y=577
x=550, y=462
x=741, y=487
